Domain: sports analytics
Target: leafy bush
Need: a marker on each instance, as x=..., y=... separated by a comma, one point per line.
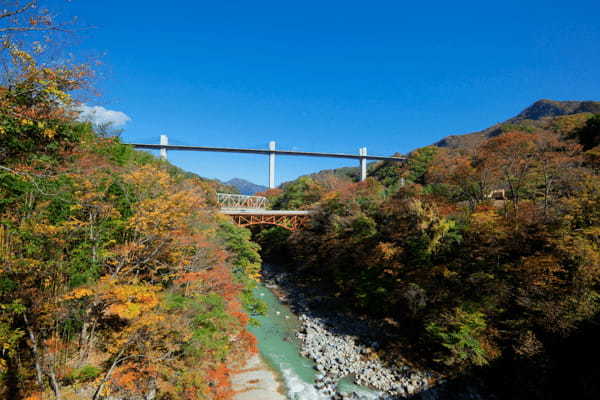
x=460, y=332
x=85, y=373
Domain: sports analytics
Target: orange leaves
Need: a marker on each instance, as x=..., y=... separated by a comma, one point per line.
x=541, y=270
x=133, y=378
x=387, y=250
x=220, y=384
x=126, y=377
x=249, y=341
x=214, y=280
x=127, y=251
x=54, y=345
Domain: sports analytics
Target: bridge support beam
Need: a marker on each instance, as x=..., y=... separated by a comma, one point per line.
x=363, y=163
x=164, y=141
x=272, y=165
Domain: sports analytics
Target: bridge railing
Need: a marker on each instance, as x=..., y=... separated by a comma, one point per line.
x=228, y=200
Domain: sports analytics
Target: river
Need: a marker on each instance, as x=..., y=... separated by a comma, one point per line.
x=280, y=350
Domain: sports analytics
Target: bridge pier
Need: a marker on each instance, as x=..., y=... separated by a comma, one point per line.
x=164, y=141
x=272, y=165
x=363, y=163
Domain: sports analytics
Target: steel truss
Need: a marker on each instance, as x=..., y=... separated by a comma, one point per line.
x=289, y=222
x=227, y=200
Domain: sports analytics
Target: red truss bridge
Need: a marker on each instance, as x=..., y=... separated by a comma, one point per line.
x=252, y=210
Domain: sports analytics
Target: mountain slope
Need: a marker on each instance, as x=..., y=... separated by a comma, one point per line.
x=542, y=114
x=561, y=116
x=245, y=187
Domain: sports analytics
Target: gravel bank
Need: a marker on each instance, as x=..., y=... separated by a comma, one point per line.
x=344, y=347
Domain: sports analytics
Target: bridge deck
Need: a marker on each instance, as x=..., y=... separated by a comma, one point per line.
x=257, y=211
x=264, y=151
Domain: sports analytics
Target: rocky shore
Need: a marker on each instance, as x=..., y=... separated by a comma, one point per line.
x=344, y=347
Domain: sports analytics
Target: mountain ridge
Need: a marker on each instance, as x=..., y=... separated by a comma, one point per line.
x=541, y=114
x=245, y=187
x=537, y=115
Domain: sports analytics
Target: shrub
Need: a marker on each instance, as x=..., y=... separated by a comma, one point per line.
x=460, y=333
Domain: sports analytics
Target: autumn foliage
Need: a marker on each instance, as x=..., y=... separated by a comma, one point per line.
x=118, y=279
x=471, y=278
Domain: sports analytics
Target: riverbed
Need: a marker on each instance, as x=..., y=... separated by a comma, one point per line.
x=280, y=349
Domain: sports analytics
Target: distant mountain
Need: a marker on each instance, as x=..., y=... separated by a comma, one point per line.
x=542, y=114
x=245, y=187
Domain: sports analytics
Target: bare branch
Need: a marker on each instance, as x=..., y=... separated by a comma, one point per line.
x=34, y=29
x=27, y=6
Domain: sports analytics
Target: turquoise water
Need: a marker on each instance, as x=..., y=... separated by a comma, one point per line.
x=279, y=347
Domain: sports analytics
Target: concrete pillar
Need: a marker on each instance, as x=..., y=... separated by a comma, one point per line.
x=164, y=141
x=271, y=165
x=363, y=163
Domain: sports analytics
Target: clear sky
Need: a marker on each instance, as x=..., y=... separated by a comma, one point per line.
x=331, y=75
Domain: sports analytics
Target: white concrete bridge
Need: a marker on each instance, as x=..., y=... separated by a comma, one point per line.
x=362, y=156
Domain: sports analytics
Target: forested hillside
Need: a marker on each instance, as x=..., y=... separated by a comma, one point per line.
x=501, y=290
x=118, y=279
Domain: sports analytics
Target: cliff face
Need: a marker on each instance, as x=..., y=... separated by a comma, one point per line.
x=540, y=115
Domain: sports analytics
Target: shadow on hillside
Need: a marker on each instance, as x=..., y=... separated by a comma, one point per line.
x=569, y=370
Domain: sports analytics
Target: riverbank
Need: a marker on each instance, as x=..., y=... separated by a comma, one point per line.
x=343, y=347
x=256, y=381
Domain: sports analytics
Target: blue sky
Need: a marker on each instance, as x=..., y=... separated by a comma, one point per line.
x=331, y=75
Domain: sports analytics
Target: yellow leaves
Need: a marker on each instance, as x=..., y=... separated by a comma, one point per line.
x=593, y=232
x=128, y=301
x=74, y=223
x=485, y=218
x=162, y=215
x=5, y=244
x=150, y=180
x=124, y=311
x=445, y=272
x=63, y=96
x=487, y=221
x=255, y=276
x=49, y=133
x=78, y=294
x=21, y=57
x=47, y=230
x=47, y=282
